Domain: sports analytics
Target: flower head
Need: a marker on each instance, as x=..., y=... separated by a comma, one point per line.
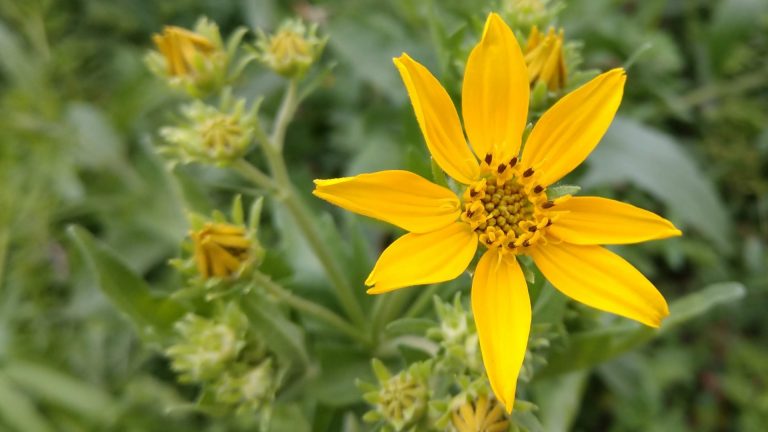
x=196, y=61
x=483, y=415
x=218, y=135
x=292, y=50
x=505, y=206
x=207, y=346
x=544, y=58
x=181, y=49
x=220, y=249
x=401, y=399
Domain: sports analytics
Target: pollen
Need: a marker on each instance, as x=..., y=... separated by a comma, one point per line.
x=508, y=209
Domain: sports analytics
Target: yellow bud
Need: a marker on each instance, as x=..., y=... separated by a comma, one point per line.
x=483, y=415
x=545, y=60
x=220, y=249
x=180, y=47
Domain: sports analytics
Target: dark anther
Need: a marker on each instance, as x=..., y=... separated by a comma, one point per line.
x=549, y=222
x=513, y=162
x=526, y=243
x=470, y=213
x=548, y=204
x=532, y=229
x=488, y=158
x=528, y=172
x=473, y=193
x=511, y=245
x=501, y=168
x=538, y=189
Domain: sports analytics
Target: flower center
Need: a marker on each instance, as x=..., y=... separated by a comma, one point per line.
x=507, y=208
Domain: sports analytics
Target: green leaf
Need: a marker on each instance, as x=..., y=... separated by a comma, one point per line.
x=152, y=315
x=402, y=326
x=559, y=399
x=588, y=348
x=341, y=367
x=653, y=161
x=282, y=336
x=63, y=390
x=288, y=418
x=18, y=411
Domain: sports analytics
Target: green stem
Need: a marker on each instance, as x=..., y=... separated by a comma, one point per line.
x=285, y=192
x=310, y=308
x=254, y=174
x=4, y=240
x=284, y=115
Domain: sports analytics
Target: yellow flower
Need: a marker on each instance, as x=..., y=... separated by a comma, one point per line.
x=220, y=249
x=544, y=58
x=505, y=205
x=181, y=47
x=483, y=416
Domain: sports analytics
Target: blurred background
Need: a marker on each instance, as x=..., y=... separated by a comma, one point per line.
x=78, y=133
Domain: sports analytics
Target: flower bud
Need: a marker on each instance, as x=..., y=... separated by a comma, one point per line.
x=545, y=59
x=524, y=14
x=401, y=399
x=292, y=49
x=480, y=415
x=247, y=390
x=220, y=249
x=193, y=60
x=207, y=346
x=212, y=135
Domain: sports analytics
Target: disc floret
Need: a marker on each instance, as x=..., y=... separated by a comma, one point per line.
x=506, y=207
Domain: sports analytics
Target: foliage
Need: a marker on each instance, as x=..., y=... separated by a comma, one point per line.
x=90, y=215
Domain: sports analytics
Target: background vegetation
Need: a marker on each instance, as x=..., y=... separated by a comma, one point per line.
x=78, y=135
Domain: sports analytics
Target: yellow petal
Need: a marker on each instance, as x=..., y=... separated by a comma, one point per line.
x=502, y=311
x=567, y=132
x=594, y=221
x=401, y=198
x=417, y=259
x=599, y=278
x=438, y=120
x=231, y=241
x=495, y=93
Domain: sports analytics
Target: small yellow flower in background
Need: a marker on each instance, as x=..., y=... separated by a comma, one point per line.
x=181, y=49
x=482, y=416
x=220, y=249
x=544, y=58
x=505, y=206
x=196, y=61
x=292, y=49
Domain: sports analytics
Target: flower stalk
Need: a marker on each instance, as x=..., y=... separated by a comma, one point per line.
x=283, y=190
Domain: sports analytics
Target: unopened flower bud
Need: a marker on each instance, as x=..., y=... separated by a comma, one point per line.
x=220, y=249
x=292, y=49
x=247, y=390
x=545, y=59
x=193, y=60
x=212, y=135
x=481, y=415
x=401, y=399
x=207, y=346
